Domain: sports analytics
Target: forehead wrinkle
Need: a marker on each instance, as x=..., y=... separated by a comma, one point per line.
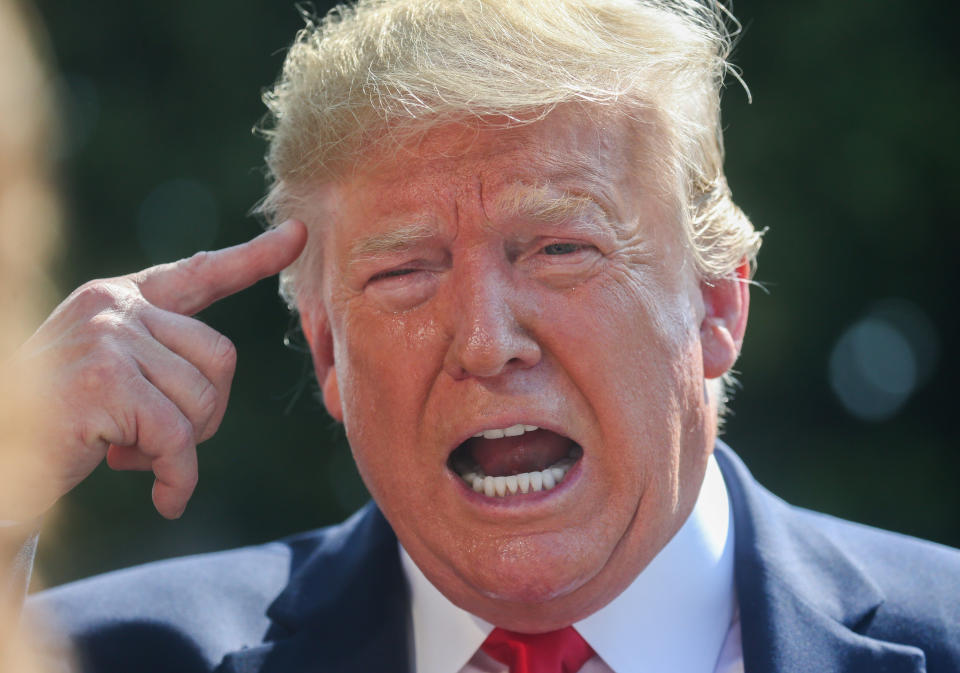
x=573, y=165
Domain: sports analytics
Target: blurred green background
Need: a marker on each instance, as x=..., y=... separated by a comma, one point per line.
x=849, y=154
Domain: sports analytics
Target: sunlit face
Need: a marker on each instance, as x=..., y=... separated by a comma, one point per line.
x=510, y=279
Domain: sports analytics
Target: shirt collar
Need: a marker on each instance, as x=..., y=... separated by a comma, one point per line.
x=445, y=637
x=685, y=595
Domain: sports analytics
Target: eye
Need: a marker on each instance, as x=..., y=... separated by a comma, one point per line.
x=563, y=263
x=401, y=289
x=393, y=273
x=561, y=248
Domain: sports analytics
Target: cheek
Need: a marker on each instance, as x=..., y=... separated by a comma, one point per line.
x=639, y=365
x=637, y=318
x=384, y=367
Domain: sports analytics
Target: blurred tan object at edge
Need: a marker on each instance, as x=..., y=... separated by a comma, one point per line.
x=29, y=224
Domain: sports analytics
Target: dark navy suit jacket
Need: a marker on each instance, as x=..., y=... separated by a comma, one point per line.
x=816, y=594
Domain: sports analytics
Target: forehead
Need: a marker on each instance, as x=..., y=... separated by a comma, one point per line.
x=569, y=150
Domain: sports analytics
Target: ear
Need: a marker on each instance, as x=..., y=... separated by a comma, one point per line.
x=316, y=329
x=331, y=395
x=726, y=302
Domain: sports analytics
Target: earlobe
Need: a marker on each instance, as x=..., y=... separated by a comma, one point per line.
x=317, y=332
x=726, y=302
x=331, y=395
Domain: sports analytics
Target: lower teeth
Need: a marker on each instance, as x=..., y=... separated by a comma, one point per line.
x=525, y=482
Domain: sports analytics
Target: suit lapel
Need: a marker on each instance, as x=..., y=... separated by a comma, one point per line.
x=804, y=603
x=344, y=610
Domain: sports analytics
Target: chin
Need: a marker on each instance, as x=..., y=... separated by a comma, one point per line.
x=533, y=589
x=530, y=574
x=533, y=605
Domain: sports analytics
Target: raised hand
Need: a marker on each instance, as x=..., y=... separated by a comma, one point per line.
x=130, y=376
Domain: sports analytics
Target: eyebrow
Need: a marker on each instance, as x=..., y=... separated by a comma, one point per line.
x=394, y=241
x=542, y=203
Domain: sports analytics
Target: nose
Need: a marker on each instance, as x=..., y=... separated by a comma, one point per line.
x=488, y=325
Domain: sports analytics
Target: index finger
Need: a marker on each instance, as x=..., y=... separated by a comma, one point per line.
x=190, y=285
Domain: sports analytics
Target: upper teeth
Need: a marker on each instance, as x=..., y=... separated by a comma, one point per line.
x=512, y=431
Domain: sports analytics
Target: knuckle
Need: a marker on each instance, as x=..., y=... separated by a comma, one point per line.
x=207, y=400
x=103, y=324
x=213, y=424
x=94, y=296
x=195, y=263
x=97, y=428
x=111, y=326
x=109, y=335
x=168, y=434
x=181, y=436
x=224, y=354
x=89, y=434
x=104, y=294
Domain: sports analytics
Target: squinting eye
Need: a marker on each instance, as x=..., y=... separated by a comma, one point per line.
x=401, y=289
x=561, y=248
x=393, y=274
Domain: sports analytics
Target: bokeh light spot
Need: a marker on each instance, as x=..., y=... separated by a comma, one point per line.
x=881, y=360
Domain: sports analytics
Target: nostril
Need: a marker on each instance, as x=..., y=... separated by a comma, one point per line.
x=489, y=338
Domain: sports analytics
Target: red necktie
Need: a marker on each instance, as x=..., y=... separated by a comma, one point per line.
x=563, y=651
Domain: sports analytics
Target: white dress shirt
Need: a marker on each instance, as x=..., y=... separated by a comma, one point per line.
x=678, y=616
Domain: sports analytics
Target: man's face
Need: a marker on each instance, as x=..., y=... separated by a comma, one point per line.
x=509, y=279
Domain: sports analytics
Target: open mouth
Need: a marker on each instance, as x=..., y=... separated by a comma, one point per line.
x=513, y=461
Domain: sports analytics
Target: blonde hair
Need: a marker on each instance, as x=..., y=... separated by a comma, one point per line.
x=381, y=70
